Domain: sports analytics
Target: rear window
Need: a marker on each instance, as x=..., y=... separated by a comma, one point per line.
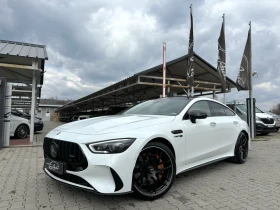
x=220, y=110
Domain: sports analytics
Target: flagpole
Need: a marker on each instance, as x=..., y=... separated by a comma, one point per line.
x=225, y=55
x=163, y=69
x=251, y=88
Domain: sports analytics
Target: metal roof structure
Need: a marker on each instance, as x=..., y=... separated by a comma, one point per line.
x=23, y=49
x=147, y=85
x=22, y=64
x=50, y=105
x=17, y=62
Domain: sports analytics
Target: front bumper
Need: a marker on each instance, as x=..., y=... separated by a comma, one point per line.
x=261, y=128
x=38, y=127
x=104, y=173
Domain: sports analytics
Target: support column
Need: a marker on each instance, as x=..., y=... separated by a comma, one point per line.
x=33, y=100
x=7, y=118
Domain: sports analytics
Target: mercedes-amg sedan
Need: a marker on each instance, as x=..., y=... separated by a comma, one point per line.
x=142, y=149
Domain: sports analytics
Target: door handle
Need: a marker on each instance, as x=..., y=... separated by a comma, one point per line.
x=212, y=124
x=235, y=122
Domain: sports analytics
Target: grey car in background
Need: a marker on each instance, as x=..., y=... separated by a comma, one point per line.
x=276, y=118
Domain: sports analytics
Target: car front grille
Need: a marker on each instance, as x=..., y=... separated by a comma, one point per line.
x=267, y=120
x=67, y=152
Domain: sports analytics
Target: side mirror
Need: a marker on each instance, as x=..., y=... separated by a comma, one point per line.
x=197, y=114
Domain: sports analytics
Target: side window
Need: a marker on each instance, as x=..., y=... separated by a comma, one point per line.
x=217, y=109
x=200, y=105
x=229, y=112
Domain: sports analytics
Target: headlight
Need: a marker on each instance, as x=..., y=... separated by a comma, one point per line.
x=258, y=119
x=111, y=146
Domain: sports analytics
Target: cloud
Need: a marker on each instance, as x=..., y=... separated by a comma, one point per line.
x=266, y=87
x=92, y=44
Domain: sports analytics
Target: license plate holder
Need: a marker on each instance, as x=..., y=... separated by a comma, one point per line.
x=54, y=166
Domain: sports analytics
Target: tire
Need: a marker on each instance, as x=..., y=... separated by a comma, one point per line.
x=277, y=129
x=264, y=134
x=22, y=131
x=154, y=171
x=241, y=149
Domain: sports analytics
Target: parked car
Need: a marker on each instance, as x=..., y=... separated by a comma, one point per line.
x=276, y=119
x=38, y=123
x=265, y=124
x=144, y=148
x=18, y=113
x=19, y=127
x=74, y=118
x=83, y=117
x=115, y=110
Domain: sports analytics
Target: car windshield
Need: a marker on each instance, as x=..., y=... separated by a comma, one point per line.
x=163, y=106
x=243, y=107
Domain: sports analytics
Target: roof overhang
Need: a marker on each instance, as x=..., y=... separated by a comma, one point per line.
x=18, y=62
x=147, y=85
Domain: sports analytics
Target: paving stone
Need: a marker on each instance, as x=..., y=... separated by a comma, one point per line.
x=222, y=185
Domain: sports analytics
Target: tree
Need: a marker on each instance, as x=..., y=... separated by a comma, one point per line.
x=276, y=109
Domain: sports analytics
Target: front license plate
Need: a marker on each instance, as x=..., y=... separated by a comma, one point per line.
x=54, y=166
x=270, y=126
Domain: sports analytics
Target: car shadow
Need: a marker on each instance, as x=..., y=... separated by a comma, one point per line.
x=189, y=177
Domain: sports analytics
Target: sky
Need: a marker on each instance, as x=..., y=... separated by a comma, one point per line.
x=94, y=43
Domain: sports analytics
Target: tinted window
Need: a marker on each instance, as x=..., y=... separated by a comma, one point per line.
x=201, y=106
x=229, y=112
x=217, y=109
x=163, y=106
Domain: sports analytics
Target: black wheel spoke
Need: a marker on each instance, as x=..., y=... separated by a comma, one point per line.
x=165, y=168
x=141, y=176
x=165, y=162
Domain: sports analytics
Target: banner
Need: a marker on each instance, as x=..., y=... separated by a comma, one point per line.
x=244, y=77
x=222, y=57
x=190, y=62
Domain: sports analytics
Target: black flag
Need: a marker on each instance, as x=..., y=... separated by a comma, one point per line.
x=222, y=57
x=244, y=77
x=190, y=67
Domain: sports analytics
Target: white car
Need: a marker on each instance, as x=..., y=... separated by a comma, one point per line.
x=142, y=149
x=19, y=127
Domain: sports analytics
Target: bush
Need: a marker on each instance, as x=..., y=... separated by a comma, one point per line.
x=276, y=109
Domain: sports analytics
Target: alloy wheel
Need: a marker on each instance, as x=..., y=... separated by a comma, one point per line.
x=22, y=131
x=153, y=171
x=243, y=147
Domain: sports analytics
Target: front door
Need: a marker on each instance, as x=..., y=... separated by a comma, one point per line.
x=201, y=136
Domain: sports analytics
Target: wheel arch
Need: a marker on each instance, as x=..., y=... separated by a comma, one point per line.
x=246, y=133
x=165, y=142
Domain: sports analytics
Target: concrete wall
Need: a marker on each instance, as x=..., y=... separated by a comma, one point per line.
x=45, y=113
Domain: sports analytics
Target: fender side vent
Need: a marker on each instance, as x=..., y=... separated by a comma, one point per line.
x=117, y=179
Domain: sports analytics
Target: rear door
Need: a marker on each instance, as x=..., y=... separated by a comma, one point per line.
x=226, y=125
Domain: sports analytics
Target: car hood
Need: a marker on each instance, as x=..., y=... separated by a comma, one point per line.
x=263, y=115
x=115, y=123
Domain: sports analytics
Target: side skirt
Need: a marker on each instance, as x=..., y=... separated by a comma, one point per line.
x=204, y=164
